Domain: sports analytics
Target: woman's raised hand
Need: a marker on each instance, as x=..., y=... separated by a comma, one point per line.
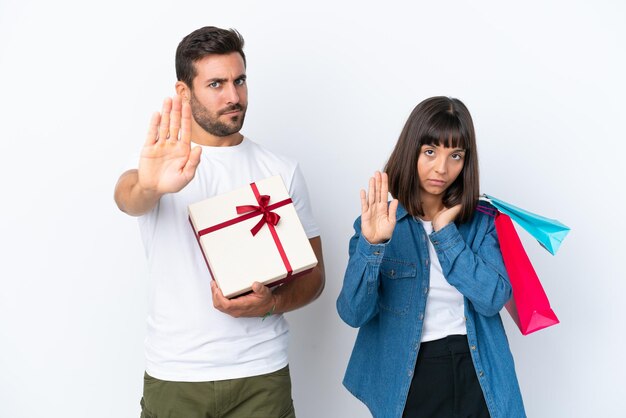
x=167, y=161
x=378, y=219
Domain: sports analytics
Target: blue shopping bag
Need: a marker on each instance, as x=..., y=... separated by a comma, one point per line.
x=549, y=232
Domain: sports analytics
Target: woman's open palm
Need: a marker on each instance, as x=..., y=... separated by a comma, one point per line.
x=378, y=218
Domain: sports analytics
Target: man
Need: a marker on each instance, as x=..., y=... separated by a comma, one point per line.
x=208, y=356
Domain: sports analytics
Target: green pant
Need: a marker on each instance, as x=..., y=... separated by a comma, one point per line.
x=265, y=396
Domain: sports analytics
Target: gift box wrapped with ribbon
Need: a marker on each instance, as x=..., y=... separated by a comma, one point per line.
x=252, y=234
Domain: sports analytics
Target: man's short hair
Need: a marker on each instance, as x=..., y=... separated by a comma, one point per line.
x=202, y=42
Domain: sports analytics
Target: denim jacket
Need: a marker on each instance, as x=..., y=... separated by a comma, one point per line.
x=384, y=294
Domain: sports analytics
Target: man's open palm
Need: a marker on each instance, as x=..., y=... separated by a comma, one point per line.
x=167, y=162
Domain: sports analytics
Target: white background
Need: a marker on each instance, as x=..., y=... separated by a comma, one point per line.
x=331, y=84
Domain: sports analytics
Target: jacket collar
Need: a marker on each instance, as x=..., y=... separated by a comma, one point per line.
x=401, y=212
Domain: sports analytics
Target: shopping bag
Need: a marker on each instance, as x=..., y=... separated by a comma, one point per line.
x=529, y=307
x=549, y=232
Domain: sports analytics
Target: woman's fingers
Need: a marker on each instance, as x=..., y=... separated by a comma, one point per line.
x=384, y=188
x=378, y=178
x=374, y=203
x=364, y=205
x=371, y=195
x=393, y=207
x=378, y=218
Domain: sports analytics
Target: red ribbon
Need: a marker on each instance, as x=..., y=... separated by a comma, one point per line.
x=268, y=217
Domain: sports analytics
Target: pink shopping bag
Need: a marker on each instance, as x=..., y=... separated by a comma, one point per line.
x=529, y=307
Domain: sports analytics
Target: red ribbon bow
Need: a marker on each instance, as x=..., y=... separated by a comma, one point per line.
x=268, y=217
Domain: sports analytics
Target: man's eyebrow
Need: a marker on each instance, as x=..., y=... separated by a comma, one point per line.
x=219, y=80
x=223, y=80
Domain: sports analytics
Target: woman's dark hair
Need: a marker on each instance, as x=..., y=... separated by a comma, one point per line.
x=202, y=42
x=435, y=121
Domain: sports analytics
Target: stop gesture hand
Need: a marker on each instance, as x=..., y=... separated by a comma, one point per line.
x=378, y=219
x=167, y=162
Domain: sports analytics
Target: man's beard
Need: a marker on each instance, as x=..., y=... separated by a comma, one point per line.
x=212, y=124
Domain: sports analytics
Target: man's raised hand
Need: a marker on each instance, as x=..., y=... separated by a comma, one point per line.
x=167, y=162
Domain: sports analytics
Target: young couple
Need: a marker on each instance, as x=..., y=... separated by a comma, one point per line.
x=425, y=280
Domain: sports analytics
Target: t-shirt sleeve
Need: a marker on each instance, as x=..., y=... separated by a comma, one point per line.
x=300, y=196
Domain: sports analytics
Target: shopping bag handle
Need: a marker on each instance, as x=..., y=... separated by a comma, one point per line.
x=487, y=211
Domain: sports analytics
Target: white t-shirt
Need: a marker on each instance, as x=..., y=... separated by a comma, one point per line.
x=187, y=338
x=445, y=307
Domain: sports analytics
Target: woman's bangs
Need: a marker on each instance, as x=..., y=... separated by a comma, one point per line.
x=447, y=131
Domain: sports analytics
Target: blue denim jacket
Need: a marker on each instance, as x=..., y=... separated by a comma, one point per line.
x=384, y=294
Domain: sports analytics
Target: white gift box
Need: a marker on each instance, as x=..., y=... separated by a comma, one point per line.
x=236, y=258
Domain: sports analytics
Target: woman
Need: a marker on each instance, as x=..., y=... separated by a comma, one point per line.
x=425, y=281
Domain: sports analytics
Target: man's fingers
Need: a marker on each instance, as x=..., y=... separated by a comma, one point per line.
x=242, y=305
x=192, y=162
x=164, y=127
x=260, y=289
x=153, y=129
x=219, y=301
x=185, y=136
x=175, y=118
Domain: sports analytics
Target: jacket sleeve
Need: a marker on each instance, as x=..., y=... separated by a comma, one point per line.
x=480, y=276
x=358, y=300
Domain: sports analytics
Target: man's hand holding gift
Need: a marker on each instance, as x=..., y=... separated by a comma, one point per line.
x=257, y=303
